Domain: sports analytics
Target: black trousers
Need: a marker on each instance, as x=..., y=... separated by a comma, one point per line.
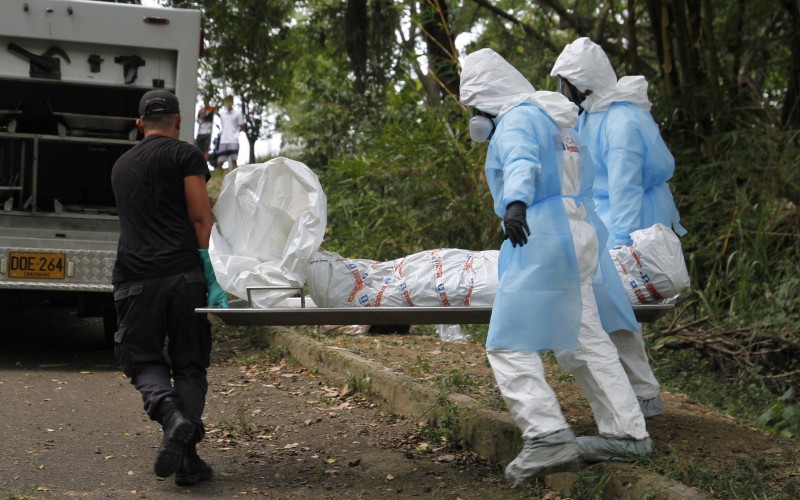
x=150, y=310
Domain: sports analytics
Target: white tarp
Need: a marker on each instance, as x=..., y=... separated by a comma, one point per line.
x=433, y=278
x=271, y=217
x=652, y=269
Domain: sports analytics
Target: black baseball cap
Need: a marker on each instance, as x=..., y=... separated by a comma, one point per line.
x=159, y=102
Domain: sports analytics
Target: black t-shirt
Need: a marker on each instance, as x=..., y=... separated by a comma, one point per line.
x=156, y=238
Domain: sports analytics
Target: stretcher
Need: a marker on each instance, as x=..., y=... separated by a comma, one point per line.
x=292, y=312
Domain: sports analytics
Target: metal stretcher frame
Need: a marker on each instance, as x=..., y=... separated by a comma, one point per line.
x=241, y=313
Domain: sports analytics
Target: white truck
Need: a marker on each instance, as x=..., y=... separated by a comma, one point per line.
x=71, y=76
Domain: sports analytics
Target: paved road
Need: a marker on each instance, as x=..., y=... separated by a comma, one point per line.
x=72, y=425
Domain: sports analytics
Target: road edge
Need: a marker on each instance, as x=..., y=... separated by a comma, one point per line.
x=491, y=434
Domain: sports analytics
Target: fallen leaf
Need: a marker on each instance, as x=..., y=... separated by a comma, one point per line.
x=86, y=373
x=277, y=476
x=125, y=434
x=354, y=464
x=345, y=390
x=314, y=456
x=449, y=458
x=271, y=386
x=288, y=375
x=110, y=457
x=283, y=362
x=293, y=445
x=550, y=496
x=50, y=430
x=131, y=473
x=265, y=437
x=389, y=477
x=40, y=467
x=32, y=451
x=331, y=460
x=42, y=488
x=47, y=400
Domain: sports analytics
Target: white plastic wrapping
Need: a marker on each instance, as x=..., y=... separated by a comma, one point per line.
x=440, y=277
x=652, y=269
x=452, y=333
x=271, y=217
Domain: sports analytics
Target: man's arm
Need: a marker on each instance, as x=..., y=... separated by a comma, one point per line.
x=198, y=207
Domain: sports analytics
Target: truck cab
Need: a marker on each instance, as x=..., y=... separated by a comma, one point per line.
x=72, y=73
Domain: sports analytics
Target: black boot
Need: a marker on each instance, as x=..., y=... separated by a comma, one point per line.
x=178, y=431
x=193, y=469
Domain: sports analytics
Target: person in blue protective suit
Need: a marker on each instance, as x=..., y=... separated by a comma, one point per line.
x=632, y=167
x=558, y=288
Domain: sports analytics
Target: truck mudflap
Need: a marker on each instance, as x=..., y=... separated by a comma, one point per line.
x=85, y=270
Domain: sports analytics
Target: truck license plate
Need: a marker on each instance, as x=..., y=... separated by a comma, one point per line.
x=37, y=265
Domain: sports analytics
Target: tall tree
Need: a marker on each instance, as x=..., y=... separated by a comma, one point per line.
x=248, y=52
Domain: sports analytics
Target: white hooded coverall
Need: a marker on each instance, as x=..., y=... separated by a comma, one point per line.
x=586, y=66
x=492, y=85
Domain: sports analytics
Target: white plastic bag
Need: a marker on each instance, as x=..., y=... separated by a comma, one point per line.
x=271, y=217
x=440, y=277
x=452, y=333
x=652, y=269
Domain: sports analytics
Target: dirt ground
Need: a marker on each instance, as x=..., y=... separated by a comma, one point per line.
x=687, y=429
x=72, y=426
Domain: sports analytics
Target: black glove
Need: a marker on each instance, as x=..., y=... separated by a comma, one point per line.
x=515, y=221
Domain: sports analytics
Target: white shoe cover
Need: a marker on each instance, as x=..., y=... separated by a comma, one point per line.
x=557, y=452
x=602, y=448
x=652, y=407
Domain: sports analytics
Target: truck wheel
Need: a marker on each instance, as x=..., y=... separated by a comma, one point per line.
x=109, y=325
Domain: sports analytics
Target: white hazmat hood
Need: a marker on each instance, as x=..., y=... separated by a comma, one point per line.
x=586, y=66
x=491, y=84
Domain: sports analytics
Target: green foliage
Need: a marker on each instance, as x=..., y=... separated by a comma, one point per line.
x=421, y=366
x=747, y=478
x=690, y=373
x=783, y=419
x=275, y=353
x=20, y=491
x=589, y=485
x=240, y=424
x=456, y=378
x=417, y=183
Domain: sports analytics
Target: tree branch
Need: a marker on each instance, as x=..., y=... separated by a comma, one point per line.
x=530, y=30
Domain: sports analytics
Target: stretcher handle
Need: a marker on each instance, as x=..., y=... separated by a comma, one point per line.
x=251, y=288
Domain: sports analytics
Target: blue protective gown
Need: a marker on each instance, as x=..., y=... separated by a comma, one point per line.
x=632, y=167
x=538, y=301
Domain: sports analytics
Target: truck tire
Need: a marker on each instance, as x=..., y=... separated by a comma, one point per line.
x=109, y=325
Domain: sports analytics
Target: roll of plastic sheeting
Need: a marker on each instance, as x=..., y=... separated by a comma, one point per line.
x=439, y=277
x=652, y=269
x=271, y=218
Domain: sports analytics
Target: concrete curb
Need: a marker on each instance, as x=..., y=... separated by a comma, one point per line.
x=491, y=434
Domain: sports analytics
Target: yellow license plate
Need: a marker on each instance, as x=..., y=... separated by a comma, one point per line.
x=37, y=265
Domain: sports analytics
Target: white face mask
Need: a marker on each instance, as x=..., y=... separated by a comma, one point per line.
x=481, y=128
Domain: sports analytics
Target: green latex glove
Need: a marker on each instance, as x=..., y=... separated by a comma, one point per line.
x=216, y=295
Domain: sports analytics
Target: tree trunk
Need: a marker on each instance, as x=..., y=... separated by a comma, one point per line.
x=714, y=67
x=630, y=21
x=442, y=57
x=736, y=48
x=791, y=102
x=654, y=11
x=681, y=25
x=356, y=23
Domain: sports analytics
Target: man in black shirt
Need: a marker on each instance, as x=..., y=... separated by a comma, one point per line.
x=162, y=273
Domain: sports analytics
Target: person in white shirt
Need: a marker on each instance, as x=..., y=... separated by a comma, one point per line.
x=232, y=124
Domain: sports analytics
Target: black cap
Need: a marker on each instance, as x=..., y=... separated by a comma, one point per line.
x=159, y=102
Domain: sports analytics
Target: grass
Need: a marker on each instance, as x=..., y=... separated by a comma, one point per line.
x=20, y=491
x=748, y=478
x=241, y=424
